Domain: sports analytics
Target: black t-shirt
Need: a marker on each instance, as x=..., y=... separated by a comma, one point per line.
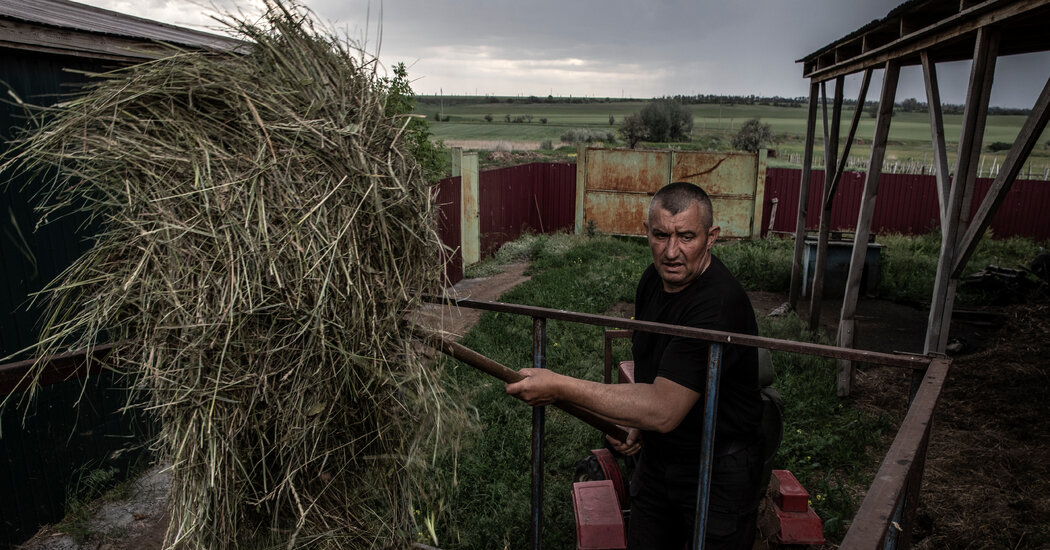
x=716, y=301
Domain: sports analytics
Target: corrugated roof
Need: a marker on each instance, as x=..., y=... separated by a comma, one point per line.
x=64, y=14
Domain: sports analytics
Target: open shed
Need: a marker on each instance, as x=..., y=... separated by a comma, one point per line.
x=919, y=32
x=926, y=33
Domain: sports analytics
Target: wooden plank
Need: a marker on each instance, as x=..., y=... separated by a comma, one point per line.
x=947, y=30
x=974, y=115
x=803, y=199
x=901, y=463
x=1026, y=140
x=831, y=146
x=940, y=153
x=845, y=336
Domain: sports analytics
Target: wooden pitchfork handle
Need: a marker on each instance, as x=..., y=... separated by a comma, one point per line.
x=509, y=376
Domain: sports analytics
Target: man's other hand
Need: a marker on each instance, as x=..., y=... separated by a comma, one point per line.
x=629, y=447
x=538, y=388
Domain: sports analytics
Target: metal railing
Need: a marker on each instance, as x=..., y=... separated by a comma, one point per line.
x=885, y=516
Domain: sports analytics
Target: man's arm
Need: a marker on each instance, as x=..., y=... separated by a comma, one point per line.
x=659, y=406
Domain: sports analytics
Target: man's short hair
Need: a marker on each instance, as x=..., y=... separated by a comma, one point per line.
x=678, y=196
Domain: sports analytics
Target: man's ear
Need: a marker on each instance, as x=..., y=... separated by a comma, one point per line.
x=712, y=235
x=645, y=224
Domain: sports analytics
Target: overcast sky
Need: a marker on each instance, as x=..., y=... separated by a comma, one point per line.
x=611, y=48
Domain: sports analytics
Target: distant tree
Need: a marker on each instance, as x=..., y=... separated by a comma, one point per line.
x=997, y=146
x=488, y=118
x=506, y=118
x=912, y=105
x=633, y=130
x=667, y=120
x=528, y=118
x=612, y=120
x=543, y=120
x=753, y=135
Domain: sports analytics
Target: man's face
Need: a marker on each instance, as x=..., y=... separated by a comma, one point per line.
x=680, y=245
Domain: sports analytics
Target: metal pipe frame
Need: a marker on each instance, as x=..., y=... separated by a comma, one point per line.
x=894, y=491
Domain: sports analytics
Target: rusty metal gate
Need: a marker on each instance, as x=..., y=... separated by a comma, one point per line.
x=618, y=183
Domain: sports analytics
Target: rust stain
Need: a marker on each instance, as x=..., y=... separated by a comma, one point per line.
x=627, y=170
x=616, y=213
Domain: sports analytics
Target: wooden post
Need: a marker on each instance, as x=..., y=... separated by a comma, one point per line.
x=940, y=154
x=470, y=222
x=581, y=184
x=760, y=195
x=845, y=337
x=974, y=115
x=831, y=151
x=803, y=199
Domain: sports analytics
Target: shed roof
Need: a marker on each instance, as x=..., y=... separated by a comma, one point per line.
x=71, y=28
x=945, y=28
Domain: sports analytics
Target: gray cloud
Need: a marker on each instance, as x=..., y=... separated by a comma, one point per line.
x=611, y=47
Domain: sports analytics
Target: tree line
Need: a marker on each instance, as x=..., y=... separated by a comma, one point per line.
x=908, y=105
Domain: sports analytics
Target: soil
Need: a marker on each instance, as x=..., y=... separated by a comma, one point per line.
x=986, y=484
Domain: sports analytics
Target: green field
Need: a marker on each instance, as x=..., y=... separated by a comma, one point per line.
x=714, y=125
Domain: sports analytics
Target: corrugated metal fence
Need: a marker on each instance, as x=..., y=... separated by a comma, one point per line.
x=531, y=198
x=449, y=201
x=906, y=203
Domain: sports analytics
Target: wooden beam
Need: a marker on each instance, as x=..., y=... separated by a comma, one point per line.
x=974, y=115
x=949, y=29
x=902, y=463
x=1012, y=164
x=831, y=146
x=940, y=153
x=803, y=199
x=854, y=124
x=845, y=334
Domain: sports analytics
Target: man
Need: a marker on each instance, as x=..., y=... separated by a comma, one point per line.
x=685, y=285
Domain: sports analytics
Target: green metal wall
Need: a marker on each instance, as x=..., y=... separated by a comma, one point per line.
x=70, y=427
x=31, y=258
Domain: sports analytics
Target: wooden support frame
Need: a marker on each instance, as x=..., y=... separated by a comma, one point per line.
x=956, y=215
x=831, y=150
x=1026, y=140
x=803, y=200
x=940, y=153
x=845, y=336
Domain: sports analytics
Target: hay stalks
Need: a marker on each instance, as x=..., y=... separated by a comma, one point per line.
x=263, y=229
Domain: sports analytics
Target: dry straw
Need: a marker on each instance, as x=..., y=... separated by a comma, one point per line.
x=264, y=227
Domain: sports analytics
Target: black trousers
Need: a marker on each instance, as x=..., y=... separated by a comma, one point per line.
x=663, y=503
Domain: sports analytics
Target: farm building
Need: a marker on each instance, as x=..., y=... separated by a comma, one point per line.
x=925, y=33
x=48, y=48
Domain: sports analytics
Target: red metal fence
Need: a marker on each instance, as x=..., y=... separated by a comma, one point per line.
x=448, y=197
x=906, y=203
x=531, y=198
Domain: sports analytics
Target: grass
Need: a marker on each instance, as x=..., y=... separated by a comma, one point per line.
x=909, y=264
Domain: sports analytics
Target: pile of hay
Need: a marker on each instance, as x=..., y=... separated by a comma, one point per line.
x=265, y=232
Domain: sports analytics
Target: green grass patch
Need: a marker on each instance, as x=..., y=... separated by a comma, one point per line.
x=909, y=265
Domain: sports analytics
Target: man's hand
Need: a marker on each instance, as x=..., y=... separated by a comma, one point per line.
x=629, y=447
x=540, y=387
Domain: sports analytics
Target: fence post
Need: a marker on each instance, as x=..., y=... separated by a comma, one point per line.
x=581, y=184
x=465, y=165
x=760, y=195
